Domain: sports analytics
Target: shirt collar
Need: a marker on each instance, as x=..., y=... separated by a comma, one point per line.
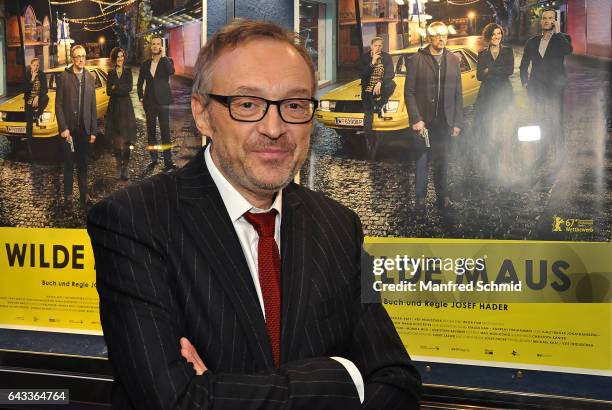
x=234, y=202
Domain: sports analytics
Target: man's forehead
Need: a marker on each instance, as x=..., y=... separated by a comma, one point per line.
x=440, y=30
x=549, y=13
x=259, y=64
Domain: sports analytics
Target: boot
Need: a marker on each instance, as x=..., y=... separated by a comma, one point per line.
x=119, y=159
x=125, y=169
x=153, y=162
x=168, y=164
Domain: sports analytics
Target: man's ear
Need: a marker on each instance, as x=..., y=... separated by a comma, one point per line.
x=201, y=116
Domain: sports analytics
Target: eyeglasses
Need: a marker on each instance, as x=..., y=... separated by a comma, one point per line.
x=81, y=57
x=248, y=108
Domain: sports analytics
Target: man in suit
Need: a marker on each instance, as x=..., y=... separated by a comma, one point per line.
x=156, y=99
x=75, y=108
x=546, y=81
x=377, y=86
x=257, y=277
x=434, y=100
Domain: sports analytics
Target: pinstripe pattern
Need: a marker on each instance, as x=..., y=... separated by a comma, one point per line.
x=169, y=264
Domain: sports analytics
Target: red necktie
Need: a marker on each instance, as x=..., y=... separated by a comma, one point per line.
x=268, y=264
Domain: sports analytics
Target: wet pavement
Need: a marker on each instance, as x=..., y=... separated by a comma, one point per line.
x=572, y=184
x=31, y=193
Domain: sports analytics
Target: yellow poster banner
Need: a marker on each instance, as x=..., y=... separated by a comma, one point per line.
x=48, y=280
x=559, y=319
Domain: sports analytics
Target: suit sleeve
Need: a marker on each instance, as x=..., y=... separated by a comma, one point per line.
x=391, y=381
x=365, y=66
x=169, y=64
x=140, y=83
x=525, y=62
x=59, y=103
x=481, y=66
x=566, y=44
x=93, y=108
x=458, y=117
x=139, y=313
x=109, y=84
x=410, y=90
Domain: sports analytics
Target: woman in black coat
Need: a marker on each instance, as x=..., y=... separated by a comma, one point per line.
x=34, y=95
x=495, y=99
x=120, y=118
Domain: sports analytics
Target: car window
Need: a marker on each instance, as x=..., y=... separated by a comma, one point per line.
x=103, y=75
x=399, y=62
x=465, y=65
x=472, y=55
x=51, y=80
x=97, y=78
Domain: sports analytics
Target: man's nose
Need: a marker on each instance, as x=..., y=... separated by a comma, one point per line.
x=272, y=125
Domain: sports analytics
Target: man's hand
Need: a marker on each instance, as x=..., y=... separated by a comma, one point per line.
x=35, y=102
x=376, y=90
x=92, y=139
x=375, y=57
x=65, y=134
x=191, y=355
x=419, y=126
x=456, y=132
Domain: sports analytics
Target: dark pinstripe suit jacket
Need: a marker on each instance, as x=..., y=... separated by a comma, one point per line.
x=169, y=264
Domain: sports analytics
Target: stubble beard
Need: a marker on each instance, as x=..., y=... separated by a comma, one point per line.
x=247, y=179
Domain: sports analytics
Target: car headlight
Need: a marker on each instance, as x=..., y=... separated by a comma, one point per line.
x=327, y=105
x=392, y=106
x=3, y=116
x=45, y=117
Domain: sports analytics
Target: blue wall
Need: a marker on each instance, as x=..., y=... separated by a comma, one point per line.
x=278, y=11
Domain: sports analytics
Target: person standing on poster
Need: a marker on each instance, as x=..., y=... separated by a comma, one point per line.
x=434, y=99
x=75, y=108
x=35, y=97
x=156, y=99
x=254, y=280
x=120, y=118
x=377, y=85
x=495, y=100
x=545, y=54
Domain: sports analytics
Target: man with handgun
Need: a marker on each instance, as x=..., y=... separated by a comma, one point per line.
x=434, y=99
x=75, y=108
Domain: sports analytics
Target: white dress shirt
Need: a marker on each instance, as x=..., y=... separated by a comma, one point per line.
x=237, y=206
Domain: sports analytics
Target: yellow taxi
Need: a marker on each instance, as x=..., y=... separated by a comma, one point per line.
x=342, y=108
x=12, y=112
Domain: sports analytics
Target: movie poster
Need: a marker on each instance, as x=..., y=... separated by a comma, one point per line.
x=535, y=201
x=522, y=192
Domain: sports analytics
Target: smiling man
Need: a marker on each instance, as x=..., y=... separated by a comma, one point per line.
x=225, y=285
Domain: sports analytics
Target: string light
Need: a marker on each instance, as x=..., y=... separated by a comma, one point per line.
x=106, y=13
x=99, y=29
x=102, y=2
x=95, y=22
x=462, y=2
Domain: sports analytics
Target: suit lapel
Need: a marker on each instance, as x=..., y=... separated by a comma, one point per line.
x=204, y=216
x=296, y=271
